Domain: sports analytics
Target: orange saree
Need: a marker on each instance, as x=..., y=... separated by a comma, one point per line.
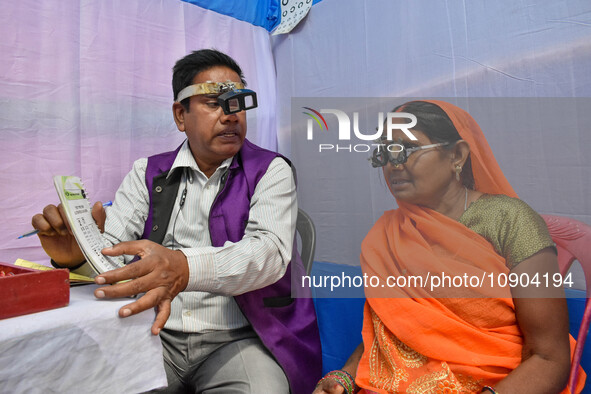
x=420, y=340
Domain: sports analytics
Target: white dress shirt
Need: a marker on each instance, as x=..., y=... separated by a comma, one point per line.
x=216, y=274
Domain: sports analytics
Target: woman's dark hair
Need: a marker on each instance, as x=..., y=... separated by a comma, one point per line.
x=186, y=68
x=438, y=127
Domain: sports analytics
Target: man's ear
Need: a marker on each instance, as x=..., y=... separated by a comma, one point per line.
x=178, y=112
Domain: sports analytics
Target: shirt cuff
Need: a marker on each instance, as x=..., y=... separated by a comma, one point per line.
x=202, y=269
x=56, y=265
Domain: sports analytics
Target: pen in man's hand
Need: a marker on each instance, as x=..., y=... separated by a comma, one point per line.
x=107, y=204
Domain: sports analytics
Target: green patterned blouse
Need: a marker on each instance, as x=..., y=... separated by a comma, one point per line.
x=514, y=229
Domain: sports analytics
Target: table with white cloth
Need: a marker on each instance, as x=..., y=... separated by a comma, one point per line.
x=81, y=348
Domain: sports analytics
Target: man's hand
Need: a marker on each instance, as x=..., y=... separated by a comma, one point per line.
x=56, y=236
x=161, y=273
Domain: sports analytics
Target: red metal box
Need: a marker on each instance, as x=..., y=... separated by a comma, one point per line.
x=24, y=290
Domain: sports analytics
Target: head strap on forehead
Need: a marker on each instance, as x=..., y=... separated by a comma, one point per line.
x=208, y=88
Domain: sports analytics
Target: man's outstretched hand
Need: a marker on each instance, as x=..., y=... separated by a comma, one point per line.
x=160, y=273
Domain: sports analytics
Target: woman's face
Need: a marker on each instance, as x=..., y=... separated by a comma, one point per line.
x=425, y=177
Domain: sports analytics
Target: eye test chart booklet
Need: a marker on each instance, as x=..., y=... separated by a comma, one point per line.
x=78, y=212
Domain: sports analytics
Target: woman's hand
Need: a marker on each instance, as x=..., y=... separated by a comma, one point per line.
x=329, y=386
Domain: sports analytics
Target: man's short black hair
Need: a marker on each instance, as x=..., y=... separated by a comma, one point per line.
x=186, y=68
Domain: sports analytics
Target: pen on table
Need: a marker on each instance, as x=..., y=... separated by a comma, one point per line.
x=107, y=204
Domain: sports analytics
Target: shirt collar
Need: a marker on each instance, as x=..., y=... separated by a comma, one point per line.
x=185, y=159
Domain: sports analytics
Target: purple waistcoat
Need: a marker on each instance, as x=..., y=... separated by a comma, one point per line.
x=287, y=326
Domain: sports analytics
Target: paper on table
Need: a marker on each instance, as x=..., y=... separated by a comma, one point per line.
x=74, y=278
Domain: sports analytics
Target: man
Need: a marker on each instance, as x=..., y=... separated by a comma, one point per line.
x=216, y=218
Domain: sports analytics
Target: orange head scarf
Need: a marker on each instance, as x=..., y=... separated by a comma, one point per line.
x=487, y=174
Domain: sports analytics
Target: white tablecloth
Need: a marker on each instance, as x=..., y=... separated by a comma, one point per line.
x=82, y=348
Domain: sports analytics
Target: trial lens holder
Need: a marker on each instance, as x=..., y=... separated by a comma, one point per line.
x=233, y=97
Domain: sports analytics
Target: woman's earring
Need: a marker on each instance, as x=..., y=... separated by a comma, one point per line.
x=458, y=171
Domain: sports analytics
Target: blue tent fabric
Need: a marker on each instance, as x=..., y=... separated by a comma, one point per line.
x=264, y=13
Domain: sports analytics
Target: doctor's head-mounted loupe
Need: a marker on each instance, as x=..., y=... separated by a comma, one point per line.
x=233, y=97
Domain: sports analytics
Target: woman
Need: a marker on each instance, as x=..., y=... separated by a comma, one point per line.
x=458, y=216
